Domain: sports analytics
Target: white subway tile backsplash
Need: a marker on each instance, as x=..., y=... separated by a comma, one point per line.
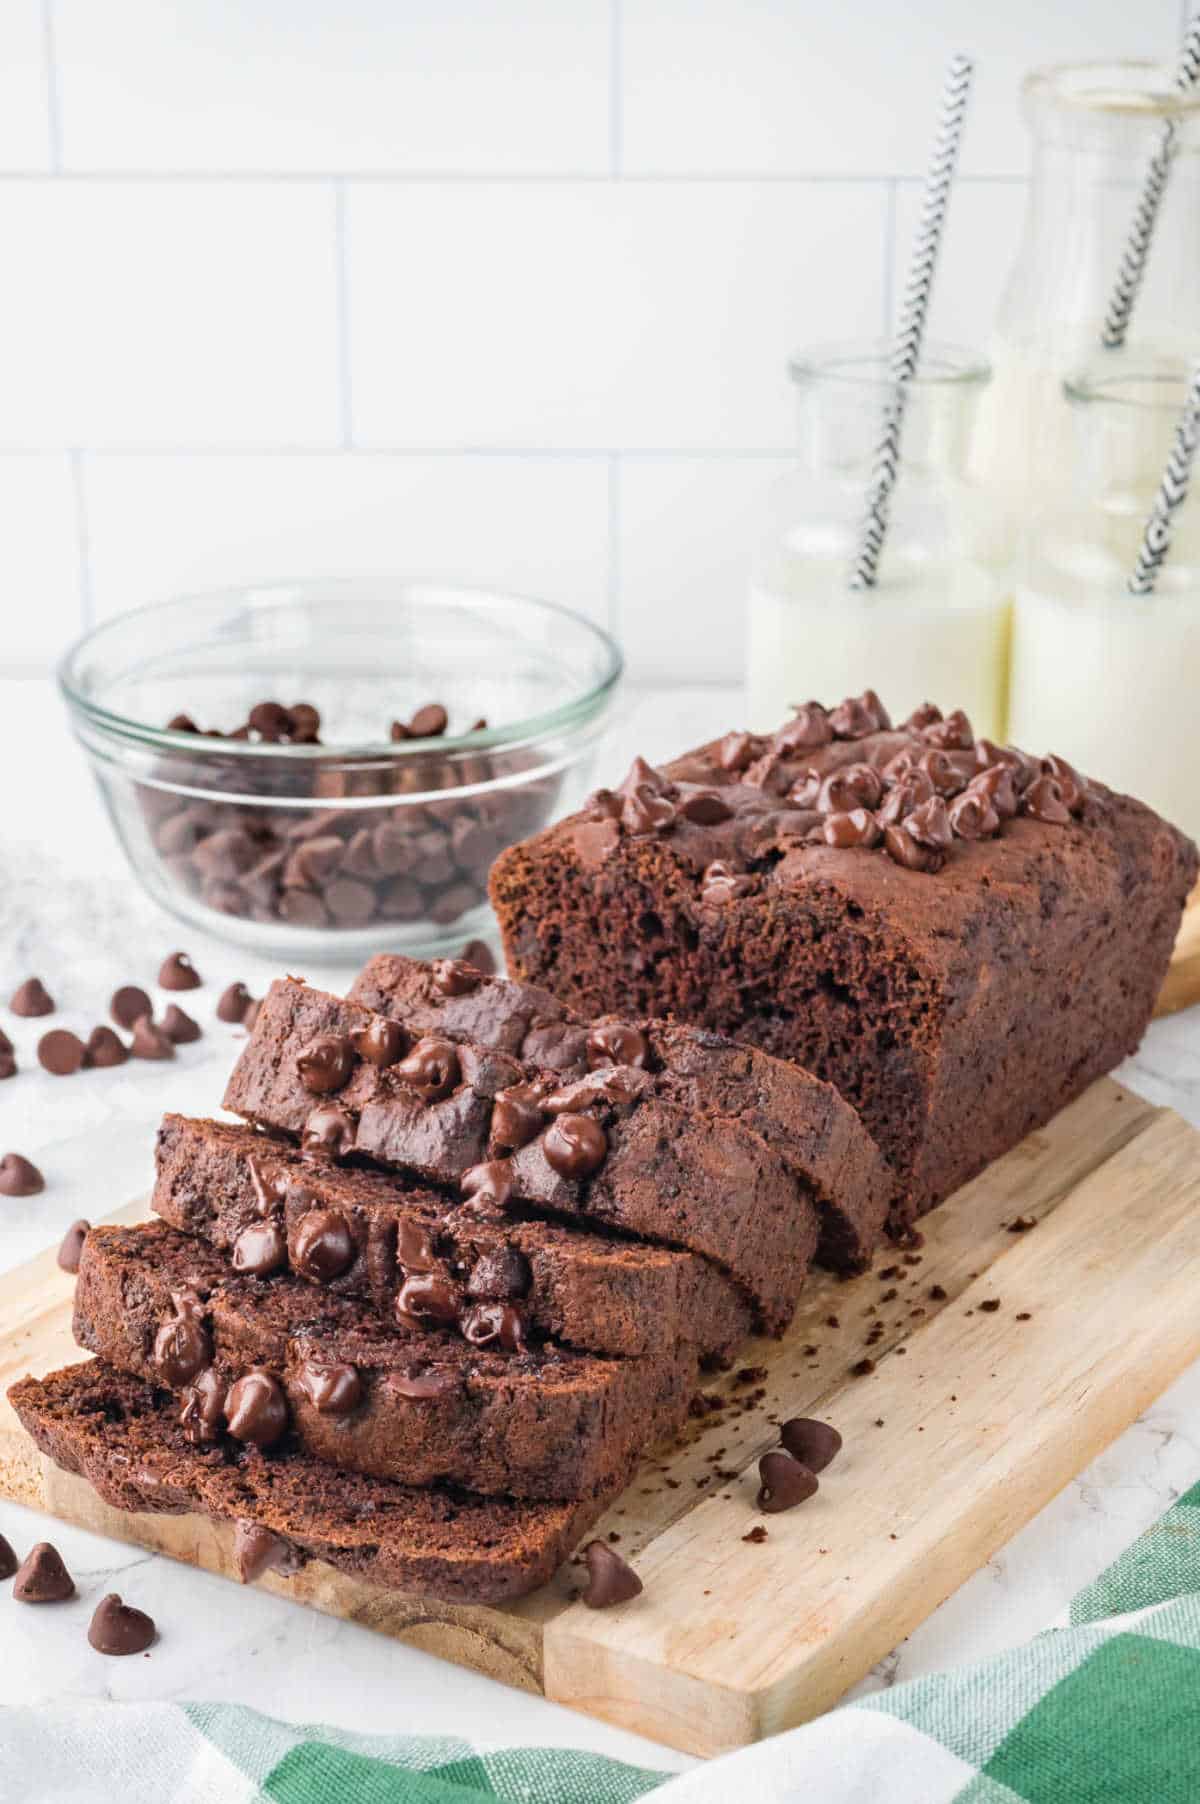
x=150, y=314
x=40, y=582
x=25, y=136
x=164, y=526
x=446, y=85
x=757, y=85
x=591, y=315
x=688, y=529
x=983, y=229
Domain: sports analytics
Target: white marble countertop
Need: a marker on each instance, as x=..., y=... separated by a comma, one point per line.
x=70, y=913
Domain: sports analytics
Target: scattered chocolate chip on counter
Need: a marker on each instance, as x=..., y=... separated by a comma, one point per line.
x=8, y=1559
x=178, y=1026
x=149, y=1041
x=19, y=1176
x=42, y=1578
x=104, y=1048
x=128, y=1005
x=61, y=1052
x=234, y=1003
x=117, y=1628
x=8, y=1064
x=177, y=972
x=785, y=1482
x=71, y=1250
x=31, y=998
x=813, y=1443
x=756, y=1536
x=1024, y=1316
x=611, y=1580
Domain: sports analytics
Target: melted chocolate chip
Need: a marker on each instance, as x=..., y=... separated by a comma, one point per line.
x=953, y=734
x=329, y=1131
x=414, y=1248
x=1044, y=801
x=494, y=1325
x=998, y=785
x=813, y=1443
x=182, y=1348
x=944, y=772
x=921, y=717
x=611, y=1580
x=517, y=1116
x=858, y=828
x=859, y=715
x=260, y=1250
x=973, y=816
x=128, y=1005
x=203, y=1409
x=322, y=1246
x=929, y=825
x=257, y=1550
x=70, y=1251
x=1072, y=785
x=256, y=1409
x=907, y=793
x=501, y=1274
x=785, y=1482
x=423, y=1382
x=705, y=808
x=615, y=1043
x=852, y=786
x=575, y=1146
x=904, y=850
x=325, y=1064
x=721, y=884
x=646, y=812
x=808, y=728
x=431, y=1068
x=333, y=1387
x=19, y=1176
x=738, y=751
x=424, y=1300
x=42, y=1578
x=453, y=978
x=381, y=1043
x=488, y=1186
x=177, y=972
x=117, y=1628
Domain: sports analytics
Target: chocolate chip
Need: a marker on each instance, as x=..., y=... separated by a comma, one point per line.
x=489, y=1186
x=721, y=883
x=350, y=903
x=1044, y=801
x=953, y=734
x=223, y=856
x=850, y=787
x=306, y=723
x=425, y=1300
x=494, y=1325
x=859, y=715
x=429, y=722
x=128, y=1005
x=431, y=1068
x=42, y=1578
x=333, y=1387
x=104, y=1049
x=611, y=1580
x=60, y=1052
x=1072, y=785
x=70, y=1251
x=424, y=1381
x=260, y=1250
x=500, y=1274
x=844, y=831
x=299, y=908
x=325, y=1064
x=256, y=1409
x=8, y=1065
x=381, y=1042
x=328, y=1131
x=479, y=954
x=233, y=1003
x=182, y=1347
x=517, y=1117
x=31, y=998
x=178, y=1026
x=19, y=1177
x=177, y=972
x=150, y=1042
x=203, y=1409
x=322, y=1246
x=271, y=720
x=921, y=717
x=808, y=729
x=997, y=784
x=117, y=1628
x=705, y=808
x=738, y=751
x=904, y=850
x=646, y=812
x=785, y=1482
x=575, y=1146
x=8, y=1559
x=615, y=1043
x=257, y=1550
x=454, y=978
x=972, y=816
x=813, y=1443
x=182, y=723
x=414, y=1247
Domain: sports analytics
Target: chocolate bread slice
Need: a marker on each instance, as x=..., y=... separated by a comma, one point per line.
x=957, y=935
x=505, y=1418
x=801, y=1117
x=123, y=1435
x=228, y=1183
x=607, y=1148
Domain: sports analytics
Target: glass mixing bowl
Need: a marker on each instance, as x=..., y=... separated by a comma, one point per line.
x=368, y=835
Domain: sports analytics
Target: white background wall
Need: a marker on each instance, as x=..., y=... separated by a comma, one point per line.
x=497, y=290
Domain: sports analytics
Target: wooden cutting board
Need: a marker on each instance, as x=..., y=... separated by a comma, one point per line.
x=1007, y=1360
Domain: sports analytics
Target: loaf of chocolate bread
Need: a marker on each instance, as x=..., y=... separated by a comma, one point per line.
x=804, y=1119
x=257, y=1357
x=957, y=935
x=124, y=1437
x=609, y=1148
x=250, y=1196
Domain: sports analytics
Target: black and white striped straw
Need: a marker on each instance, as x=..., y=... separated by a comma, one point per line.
x=906, y=348
x=1172, y=493
x=1141, y=231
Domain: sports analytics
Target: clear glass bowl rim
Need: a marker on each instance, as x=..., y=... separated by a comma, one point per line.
x=576, y=712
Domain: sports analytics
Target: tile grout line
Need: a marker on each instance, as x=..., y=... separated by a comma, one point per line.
x=484, y=178
x=83, y=540
x=616, y=89
x=342, y=311
x=53, y=109
x=431, y=453
x=614, y=546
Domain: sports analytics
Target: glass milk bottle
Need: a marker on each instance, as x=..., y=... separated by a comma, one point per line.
x=1107, y=679
x=1095, y=128
x=934, y=628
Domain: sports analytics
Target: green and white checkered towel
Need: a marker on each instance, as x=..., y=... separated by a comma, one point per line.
x=1102, y=1710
